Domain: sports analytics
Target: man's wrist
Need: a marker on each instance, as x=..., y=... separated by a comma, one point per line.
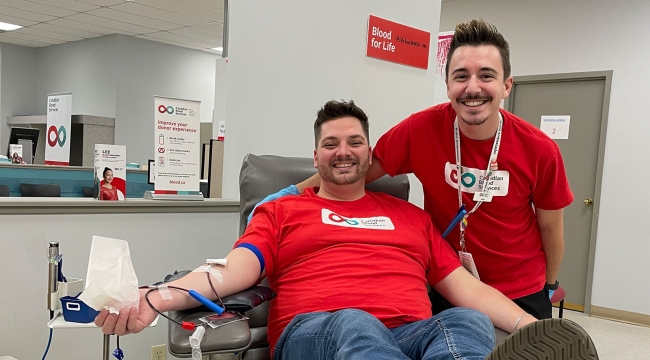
x=553, y=286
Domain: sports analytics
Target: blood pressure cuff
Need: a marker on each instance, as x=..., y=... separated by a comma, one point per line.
x=240, y=302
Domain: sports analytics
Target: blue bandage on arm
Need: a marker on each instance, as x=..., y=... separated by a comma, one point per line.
x=255, y=251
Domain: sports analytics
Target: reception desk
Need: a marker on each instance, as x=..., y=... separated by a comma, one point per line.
x=163, y=236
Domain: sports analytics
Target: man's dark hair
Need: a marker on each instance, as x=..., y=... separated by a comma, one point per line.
x=480, y=32
x=337, y=109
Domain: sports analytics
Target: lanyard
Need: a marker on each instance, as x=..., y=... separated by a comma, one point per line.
x=491, y=166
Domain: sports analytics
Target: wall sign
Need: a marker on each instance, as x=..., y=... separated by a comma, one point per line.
x=398, y=43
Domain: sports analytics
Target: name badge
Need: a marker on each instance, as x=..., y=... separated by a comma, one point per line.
x=482, y=196
x=468, y=263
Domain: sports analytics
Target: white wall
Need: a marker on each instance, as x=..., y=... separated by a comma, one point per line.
x=18, y=85
x=319, y=54
x=558, y=36
x=159, y=244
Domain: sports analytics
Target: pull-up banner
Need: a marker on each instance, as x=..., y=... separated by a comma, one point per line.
x=398, y=43
x=58, y=129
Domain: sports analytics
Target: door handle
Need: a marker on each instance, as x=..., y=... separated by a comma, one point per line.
x=588, y=201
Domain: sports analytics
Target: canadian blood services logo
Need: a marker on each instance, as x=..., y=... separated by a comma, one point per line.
x=165, y=109
x=329, y=217
x=54, y=136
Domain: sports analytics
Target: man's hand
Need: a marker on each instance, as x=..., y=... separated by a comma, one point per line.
x=130, y=321
x=289, y=190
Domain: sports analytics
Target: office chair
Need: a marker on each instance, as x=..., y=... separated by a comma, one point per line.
x=259, y=177
x=558, y=297
x=88, y=191
x=40, y=190
x=4, y=190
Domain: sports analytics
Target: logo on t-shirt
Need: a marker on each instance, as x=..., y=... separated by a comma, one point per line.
x=472, y=180
x=378, y=222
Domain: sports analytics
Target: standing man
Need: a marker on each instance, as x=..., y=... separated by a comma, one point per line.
x=472, y=156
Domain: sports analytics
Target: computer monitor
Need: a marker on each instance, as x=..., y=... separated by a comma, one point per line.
x=24, y=135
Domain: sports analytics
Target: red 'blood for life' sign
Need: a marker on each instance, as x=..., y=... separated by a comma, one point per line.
x=398, y=43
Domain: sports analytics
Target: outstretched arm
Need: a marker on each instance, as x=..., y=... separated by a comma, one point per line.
x=460, y=288
x=241, y=272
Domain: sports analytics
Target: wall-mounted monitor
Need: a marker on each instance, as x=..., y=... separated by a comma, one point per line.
x=25, y=137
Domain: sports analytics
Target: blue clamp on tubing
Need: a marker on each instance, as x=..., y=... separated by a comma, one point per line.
x=205, y=301
x=459, y=216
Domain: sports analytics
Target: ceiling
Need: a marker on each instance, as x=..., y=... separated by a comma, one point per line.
x=195, y=24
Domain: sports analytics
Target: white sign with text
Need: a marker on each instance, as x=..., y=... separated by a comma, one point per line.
x=177, y=139
x=556, y=127
x=58, y=129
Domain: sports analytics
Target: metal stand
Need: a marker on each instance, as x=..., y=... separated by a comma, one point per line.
x=107, y=346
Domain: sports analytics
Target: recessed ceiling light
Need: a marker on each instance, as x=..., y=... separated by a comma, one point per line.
x=8, y=27
x=218, y=48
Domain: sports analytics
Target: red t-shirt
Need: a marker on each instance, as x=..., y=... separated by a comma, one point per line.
x=374, y=254
x=502, y=235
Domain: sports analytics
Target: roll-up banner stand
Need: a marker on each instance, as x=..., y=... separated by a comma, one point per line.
x=59, y=113
x=177, y=149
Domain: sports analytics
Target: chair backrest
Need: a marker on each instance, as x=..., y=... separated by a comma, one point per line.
x=4, y=190
x=40, y=190
x=88, y=191
x=262, y=175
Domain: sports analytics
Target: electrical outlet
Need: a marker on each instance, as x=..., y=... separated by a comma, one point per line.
x=158, y=352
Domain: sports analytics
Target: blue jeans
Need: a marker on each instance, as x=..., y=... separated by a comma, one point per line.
x=351, y=334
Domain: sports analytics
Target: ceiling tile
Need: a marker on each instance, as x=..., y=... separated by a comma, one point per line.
x=40, y=39
x=85, y=27
x=67, y=4
x=103, y=2
x=210, y=4
x=175, y=6
x=37, y=8
x=203, y=35
x=23, y=14
x=65, y=30
x=158, y=14
x=16, y=21
x=21, y=42
x=112, y=24
x=134, y=19
x=49, y=34
x=182, y=39
x=213, y=27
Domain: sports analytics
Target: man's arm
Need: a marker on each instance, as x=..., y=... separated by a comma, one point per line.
x=241, y=272
x=460, y=288
x=551, y=227
x=374, y=172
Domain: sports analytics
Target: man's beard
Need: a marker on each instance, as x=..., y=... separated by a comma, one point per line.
x=325, y=172
x=477, y=122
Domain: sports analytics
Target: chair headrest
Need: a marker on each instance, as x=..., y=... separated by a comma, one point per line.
x=262, y=175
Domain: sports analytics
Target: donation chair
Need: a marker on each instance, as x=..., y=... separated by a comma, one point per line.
x=4, y=190
x=40, y=190
x=259, y=177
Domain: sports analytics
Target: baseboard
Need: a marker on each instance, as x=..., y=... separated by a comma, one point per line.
x=620, y=315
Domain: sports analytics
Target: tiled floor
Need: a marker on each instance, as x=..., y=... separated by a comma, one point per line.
x=614, y=340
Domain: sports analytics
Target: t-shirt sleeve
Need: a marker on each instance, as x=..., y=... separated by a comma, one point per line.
x=393, y=149
x=552, y=191
x=261, y=236
x=443, y=258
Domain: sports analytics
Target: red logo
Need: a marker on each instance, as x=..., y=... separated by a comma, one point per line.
x=161, y=150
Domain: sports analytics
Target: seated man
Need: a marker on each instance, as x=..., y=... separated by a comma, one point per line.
x=350, y=269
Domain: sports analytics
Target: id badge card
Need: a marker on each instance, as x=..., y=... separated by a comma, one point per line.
x=482, y=196
x=468, y=263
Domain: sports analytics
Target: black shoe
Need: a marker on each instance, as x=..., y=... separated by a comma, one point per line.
x=549, y=339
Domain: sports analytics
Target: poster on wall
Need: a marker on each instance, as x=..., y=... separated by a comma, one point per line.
x=397, y=43
x=110, y=172
x=16, y=153
x=58, y=129
x=177, y=151
x=444, y=42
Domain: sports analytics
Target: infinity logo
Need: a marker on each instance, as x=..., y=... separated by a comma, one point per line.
x=467, y=179
x=161, y=150
x=57, y=136
x=338, y=218
x=162, y=109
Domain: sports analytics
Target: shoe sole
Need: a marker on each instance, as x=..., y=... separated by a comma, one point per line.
x=549, y=339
